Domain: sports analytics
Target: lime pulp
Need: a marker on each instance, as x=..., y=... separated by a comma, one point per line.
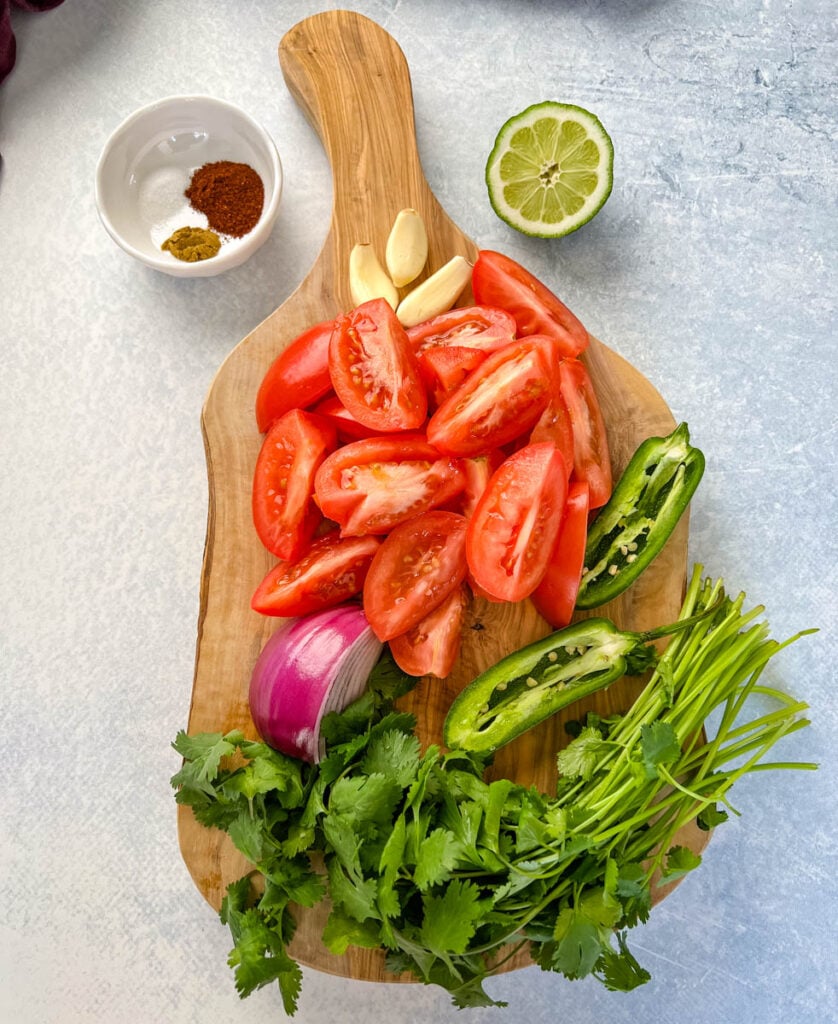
x=551, y=169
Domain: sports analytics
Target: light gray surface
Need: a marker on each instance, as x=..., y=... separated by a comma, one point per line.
x=711, y=269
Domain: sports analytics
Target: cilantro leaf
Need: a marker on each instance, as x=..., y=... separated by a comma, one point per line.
x=208, y=810
x=355, y=895
x=580, y=757
x=267, y=772
x=419, y=786
x=387, y=681
x=247, y=834
x=618, y=970
x=292, y=880
x=600, y=906
x=471, y=994
x=680, y=860
x=202, y=756
x=632, y=889
x=394, y=755
x=464, y=820
x=258, y=956
x=392, y=856
x=297, y=839
x=464, y=981
x=450, y=920
x=342, y=931
x=340, y=834
x=530, y=831
x=582, y=931
x=710, y=817
x=658, y=745
x=577, y=945
x=499, y=791
x=363, y=798
x=436, y=859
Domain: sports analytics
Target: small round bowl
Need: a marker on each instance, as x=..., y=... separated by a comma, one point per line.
x=147, y=164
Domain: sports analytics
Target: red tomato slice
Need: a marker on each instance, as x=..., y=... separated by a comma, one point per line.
x=416, y=568
x=498, y=280
x=284, y=513
x=498, y=402
x=483, y=327
x=513, y=530
x=591, y=458
x=373, y=485
x=297, y=377
x=554, y=424
x=444, y=369
x=374, y=370
x=329, y=573
x=555, y=597
x=432, y=646
x=478, y=470
x=347, y=427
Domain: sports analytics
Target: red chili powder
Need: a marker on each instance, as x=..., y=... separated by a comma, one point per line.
x=229, y=194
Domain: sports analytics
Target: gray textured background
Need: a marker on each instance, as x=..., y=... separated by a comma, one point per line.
x=711, y=268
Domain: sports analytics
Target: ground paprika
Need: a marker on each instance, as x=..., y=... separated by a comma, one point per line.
x=229, y=194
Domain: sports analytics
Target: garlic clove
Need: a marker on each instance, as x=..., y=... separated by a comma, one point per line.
x=407, y=247
x=435, y=294
x=368, y=279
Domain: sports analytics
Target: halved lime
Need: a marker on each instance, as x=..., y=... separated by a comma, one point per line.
x=551, y=169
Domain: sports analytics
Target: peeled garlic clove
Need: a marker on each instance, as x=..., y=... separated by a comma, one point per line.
x=407, y=248
x=435, y=294
x=368, y=279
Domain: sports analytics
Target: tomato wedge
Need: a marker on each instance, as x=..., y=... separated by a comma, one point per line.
x=370, y=486
x=482, y=327
x=284, y=513
x=432, y=646
x=498, y=280
x=374, y=371
x=297, y=377
x=555, y=596
x=554, y=424
x=330, y=572
x=416, y=568
x=499, y=401
x=591, y=458
x=347, y=427
x=513, y=530
x=478, y=470
x=445, y=368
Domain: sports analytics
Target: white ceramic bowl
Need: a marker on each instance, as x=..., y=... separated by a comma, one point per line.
x=147, y=163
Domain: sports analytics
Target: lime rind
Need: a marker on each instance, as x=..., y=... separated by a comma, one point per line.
x=550, y=170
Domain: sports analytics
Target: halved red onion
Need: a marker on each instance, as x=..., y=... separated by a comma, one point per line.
x=309, y=667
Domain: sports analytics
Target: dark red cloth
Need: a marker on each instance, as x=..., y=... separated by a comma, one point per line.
x=7, y=36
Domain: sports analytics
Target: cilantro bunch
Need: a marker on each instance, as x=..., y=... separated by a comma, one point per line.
x=452, y=875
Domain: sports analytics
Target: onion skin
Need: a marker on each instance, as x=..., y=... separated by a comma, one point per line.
x=294, y=674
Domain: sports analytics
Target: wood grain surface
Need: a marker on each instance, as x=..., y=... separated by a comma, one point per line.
x=351, y=80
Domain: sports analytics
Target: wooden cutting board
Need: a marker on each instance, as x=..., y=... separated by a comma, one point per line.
x=352, y=81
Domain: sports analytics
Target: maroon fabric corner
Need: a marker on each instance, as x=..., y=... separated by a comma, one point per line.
x=7, y=37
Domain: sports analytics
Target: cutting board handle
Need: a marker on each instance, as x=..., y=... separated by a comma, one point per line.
x=352, y=81
x=334, y=64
